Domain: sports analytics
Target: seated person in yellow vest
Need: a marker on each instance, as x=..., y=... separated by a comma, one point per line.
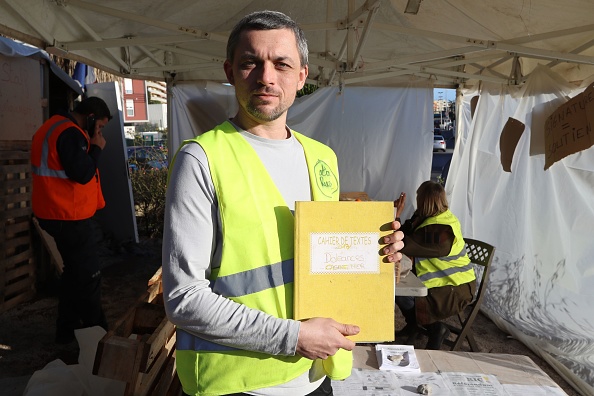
x=66, y=194
x=228, y=235
x=433, y=236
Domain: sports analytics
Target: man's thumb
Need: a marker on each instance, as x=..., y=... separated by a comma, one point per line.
x=349, y=329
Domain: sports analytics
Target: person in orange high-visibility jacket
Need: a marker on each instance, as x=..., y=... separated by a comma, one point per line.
x=66, y=194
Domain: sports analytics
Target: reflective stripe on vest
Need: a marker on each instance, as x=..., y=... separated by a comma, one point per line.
x=256, y=263
x=43, y=169
x=186, y=341
x=448, y=271
x=254, y=280
x=454, y=269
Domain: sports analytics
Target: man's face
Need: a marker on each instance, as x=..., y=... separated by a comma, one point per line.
x=99, y=125
x=266, y=73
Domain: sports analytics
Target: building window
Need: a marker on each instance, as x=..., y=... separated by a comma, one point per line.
x=130, y=107
x=128, y=86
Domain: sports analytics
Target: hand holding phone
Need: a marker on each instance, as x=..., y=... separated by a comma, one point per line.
x=91, y=122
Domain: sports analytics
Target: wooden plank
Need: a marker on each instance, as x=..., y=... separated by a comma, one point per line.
x=15, y=228
x=20, y=155
x=148, y=355
x=155, y=344
x=18, y=227
x=19, y=279
x=125, y=324
x=50, y=246
x=6, y=304
x=156, y=277
x=14, y=272
x=17, y=262
x=14, y=213
x=15, y=183
x=354, y=196
x=147, y=318
x=21, y=286
x=24, y=145
x=15, y=198
x=15, y=242
x=154, y=292
x=116, y=358
x=168, y=378
x=147, y=382
x=15, y=168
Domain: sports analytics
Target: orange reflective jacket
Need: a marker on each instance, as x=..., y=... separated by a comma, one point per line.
x=55, y=196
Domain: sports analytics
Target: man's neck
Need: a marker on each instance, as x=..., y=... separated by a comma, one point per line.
x=79, y=118
x=276, y=129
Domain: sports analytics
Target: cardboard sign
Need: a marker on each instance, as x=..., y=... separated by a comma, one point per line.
x=569, y=129
x=510, y=136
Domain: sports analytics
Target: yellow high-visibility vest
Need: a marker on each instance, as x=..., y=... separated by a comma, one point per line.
x=257, y=261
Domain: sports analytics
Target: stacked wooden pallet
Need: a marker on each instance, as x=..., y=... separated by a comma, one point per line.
x=140, y=350
x=17, y=266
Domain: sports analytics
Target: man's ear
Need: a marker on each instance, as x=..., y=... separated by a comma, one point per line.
x=302, y=77
x=228, y=67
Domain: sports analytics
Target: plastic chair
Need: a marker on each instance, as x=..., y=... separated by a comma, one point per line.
x=480, y=254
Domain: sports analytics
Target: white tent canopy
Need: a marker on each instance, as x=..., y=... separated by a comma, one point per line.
x=520, y=58
x=359, y=42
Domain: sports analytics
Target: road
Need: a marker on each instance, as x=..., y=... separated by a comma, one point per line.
x=439, y=160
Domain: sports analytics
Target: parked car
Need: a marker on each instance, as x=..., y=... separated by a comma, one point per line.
x=439, y=143
x=146, y=157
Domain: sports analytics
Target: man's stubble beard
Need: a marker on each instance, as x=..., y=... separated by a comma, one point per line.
x=259, y=115
x=266, y=117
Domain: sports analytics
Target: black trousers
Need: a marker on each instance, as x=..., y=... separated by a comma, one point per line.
x=80, y=284
x=325, y=389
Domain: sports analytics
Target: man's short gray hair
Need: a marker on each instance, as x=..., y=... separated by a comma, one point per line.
x=268, y=20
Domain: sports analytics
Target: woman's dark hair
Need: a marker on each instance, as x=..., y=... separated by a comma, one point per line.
x=431, y=199
x=93, y=105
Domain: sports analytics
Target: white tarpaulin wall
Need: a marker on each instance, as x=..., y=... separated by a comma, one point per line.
x=383, y=137
x=541, y=288
x=541, y=222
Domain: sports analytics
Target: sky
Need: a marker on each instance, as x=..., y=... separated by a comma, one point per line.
x=447, y=94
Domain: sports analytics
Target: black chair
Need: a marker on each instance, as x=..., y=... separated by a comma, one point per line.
x=480, y=254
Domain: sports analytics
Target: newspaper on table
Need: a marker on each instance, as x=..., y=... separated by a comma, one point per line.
x=364, y=382
x=470, y=384
x=398, y=358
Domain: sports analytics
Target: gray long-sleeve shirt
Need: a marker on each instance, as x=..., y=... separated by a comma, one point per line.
x=192, y=244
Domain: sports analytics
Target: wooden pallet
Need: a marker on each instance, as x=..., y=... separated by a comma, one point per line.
x=140, y=350
x=17, y=266
x=49, y=257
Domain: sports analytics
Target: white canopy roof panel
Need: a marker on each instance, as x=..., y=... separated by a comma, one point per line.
x=369, y=43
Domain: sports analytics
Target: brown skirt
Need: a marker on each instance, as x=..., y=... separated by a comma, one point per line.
x=443, y=302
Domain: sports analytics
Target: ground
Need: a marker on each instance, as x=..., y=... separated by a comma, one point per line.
x=27, y=331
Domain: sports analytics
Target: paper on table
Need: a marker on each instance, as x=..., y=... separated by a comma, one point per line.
x=397, y=358
x=533, y=390
x=470, y=384
x=364, y=382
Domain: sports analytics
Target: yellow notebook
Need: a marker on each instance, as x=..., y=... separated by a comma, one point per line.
x=340, y=271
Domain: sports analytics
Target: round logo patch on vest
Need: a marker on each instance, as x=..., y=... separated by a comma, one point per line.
x=325, y=179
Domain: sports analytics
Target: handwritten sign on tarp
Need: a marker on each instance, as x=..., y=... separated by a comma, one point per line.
x=569, y=129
